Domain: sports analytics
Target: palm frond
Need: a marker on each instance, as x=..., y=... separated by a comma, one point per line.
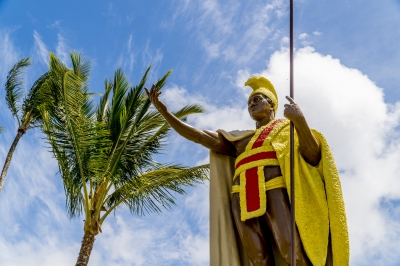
x=14, y=85
x=146, y=193
x=71, y=131
x=80, y=66
x=117, y=114
x=37, y=96
x=134, y=102
x=1, y=129
x=147, y=141
x=102, y=108
x=161, y=82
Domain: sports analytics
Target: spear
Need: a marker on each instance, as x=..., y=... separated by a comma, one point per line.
x=292, y=193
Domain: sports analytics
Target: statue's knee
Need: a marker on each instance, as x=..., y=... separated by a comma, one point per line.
x=286, y=254
x=259, y=262
x=300, y=259
x=263, y=260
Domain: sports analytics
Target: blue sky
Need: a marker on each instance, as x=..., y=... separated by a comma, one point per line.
x=346, y=81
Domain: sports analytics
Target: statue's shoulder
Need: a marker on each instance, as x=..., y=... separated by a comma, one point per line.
x=236, y=135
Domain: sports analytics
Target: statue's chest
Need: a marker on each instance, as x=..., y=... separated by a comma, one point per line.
x=240, y=145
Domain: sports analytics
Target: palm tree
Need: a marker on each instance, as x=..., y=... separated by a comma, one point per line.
x=105, y=154
x=26, y=111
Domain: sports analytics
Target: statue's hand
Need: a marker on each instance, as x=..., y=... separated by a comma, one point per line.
x=309, y=146
x=153, y=95
x=293, y=112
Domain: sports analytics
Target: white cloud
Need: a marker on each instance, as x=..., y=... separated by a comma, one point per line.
x=62, y=49
x=153, y=58
x=285, y=40
x=350, y=110
x=279, y=7
x=303, y=36
x=215, y=117
x=361, y=129
x=317, y=33
x=40, y=48
x=233, y=31
x=212, y=49
x=8, y=53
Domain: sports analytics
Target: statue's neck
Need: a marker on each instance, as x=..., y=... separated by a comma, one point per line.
x=264, y=121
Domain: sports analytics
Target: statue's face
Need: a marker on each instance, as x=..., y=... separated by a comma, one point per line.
x=259, y=108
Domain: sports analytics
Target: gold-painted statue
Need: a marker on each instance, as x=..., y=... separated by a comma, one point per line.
x=250, y=181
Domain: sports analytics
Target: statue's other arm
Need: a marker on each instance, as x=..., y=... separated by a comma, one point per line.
x=309, y=146
x=209, y=139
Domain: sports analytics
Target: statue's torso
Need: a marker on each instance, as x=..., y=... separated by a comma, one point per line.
x=269, y=171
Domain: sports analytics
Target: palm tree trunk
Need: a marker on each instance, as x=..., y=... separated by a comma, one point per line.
x=86, y=249
x=9, y=156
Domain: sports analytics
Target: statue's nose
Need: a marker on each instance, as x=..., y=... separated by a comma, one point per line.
x=251, y=103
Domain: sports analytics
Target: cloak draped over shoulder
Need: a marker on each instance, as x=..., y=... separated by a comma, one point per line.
x=320, y=208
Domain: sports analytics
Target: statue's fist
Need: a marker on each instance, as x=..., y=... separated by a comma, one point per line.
x=292, y=111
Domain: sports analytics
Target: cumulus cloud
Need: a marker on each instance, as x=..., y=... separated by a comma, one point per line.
x=351, y=112
x=303, y=36
x=226, y=117
x=361, y=129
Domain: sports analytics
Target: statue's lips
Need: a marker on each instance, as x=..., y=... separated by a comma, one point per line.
x=253, y=109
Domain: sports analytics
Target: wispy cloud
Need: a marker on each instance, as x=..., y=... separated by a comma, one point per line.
x=152, y=57
x=8, y=53
x=40, y=48
x=62, y=49
x=234, y=31
x=127, y=57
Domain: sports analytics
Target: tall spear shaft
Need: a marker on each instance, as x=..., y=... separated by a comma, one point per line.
x=292, y=191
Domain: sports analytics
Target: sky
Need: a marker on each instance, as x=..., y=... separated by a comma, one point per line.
x=347, y=78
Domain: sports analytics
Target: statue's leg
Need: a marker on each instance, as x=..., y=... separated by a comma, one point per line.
x=253, y=237
x=278, y=219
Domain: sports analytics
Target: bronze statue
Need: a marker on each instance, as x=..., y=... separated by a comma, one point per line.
x=259, y=197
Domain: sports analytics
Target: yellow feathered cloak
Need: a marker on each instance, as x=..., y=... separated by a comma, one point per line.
x=319, y=204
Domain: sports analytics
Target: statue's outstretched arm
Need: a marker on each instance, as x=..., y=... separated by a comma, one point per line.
x=209, y=139
x=309, y=146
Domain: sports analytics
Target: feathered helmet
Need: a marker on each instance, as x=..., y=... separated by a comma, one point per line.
x=263, y=86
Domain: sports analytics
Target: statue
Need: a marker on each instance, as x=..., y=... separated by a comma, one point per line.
x=249, y=184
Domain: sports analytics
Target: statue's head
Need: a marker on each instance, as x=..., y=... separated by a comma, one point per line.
x=263, y=100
